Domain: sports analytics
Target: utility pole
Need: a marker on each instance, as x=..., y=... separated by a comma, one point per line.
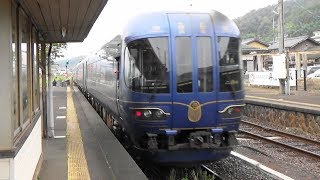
x=67, y=67
x=281, y=43
x=50, y=126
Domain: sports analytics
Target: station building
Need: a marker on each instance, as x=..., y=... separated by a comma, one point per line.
x=28, y=27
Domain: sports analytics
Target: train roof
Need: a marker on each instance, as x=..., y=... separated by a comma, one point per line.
x=157, y=23
x=113, y=47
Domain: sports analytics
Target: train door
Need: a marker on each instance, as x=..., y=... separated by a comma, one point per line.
x=194, y=99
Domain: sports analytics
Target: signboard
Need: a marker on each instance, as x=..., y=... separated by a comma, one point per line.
x=279, y=66
x=267, y=78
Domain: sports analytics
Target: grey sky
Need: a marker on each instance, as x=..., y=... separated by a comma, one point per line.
x=116, y=13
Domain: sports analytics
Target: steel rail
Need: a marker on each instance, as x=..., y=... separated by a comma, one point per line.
x=281, y=144
x=206, y=168
x=282, y=133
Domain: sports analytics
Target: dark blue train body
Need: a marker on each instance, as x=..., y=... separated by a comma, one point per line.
x=173, y=87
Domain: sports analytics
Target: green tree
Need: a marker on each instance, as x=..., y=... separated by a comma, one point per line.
x=301, y=17
x=56, y=50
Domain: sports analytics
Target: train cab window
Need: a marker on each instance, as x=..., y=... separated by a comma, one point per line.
x=147, y=65
x=230, y=72
x=204, y=57
x=184, y=64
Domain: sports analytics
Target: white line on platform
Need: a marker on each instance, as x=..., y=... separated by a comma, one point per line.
x=61, y=117
x=259, y=165
x=59, y=137
x=63, y=107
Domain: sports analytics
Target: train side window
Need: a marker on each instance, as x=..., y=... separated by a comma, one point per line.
x=184, y=64
x=205, y=68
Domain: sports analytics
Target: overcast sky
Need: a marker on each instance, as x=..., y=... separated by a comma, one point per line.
x=116, y=12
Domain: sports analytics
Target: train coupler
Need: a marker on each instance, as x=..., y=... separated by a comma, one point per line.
x=152, y=141
x=200, y=139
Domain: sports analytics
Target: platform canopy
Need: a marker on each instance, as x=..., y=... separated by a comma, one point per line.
x=63, y=20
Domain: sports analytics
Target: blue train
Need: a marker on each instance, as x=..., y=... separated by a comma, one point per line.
x=170, y=85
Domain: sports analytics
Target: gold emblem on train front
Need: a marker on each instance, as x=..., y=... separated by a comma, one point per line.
x=194, y=111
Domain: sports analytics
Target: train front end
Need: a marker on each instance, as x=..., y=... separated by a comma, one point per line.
x=185, y=82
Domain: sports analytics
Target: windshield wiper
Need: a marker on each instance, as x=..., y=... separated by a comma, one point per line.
x=155, y=88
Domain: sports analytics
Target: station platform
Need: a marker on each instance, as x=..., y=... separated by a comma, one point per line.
x=83, y=147
x=308, y=101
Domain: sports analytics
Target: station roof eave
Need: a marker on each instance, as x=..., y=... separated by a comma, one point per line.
x=71, y=18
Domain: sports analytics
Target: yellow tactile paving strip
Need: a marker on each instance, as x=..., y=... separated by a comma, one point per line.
x=77, y=163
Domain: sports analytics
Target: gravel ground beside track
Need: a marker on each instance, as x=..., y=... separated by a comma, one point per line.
x=283, y=161
x=235, y=168
x=286, y=161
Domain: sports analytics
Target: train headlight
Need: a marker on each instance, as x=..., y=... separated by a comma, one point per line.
x=147, y=113
x=159, y=114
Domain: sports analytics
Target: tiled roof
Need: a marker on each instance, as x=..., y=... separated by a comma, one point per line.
x=245, y=47
x=247, y=41
x=290, y=42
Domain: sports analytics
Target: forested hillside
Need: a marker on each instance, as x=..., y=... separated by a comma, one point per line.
x=301, y=17
x=72, y=62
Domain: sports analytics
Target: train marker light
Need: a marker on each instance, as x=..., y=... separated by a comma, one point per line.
x=138, y=113
x=237, y=109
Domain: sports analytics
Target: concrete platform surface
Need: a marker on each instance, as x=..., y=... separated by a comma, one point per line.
x=83, y=147
x=300, y=99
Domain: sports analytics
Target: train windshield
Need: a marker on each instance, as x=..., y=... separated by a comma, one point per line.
x=147, y=65
x=229, y=59
x=184, y=64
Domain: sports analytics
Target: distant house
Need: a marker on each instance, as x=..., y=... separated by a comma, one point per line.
x=256, y=43
x=302, y=50
x=314, y=55
x=316, y=36
x=295, y=44
x=252, y=58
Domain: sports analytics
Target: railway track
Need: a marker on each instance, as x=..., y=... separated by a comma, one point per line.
x=211, y=172
x=291, y=141
x=154, y=172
